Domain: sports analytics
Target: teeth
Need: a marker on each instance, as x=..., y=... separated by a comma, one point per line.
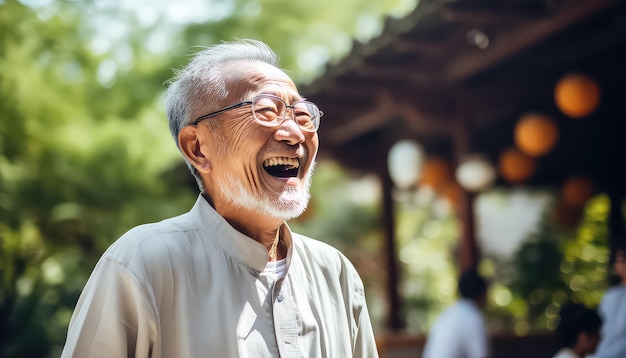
x=290, y=162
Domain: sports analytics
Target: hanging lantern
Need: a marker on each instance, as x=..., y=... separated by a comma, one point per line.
x=577, y=95
x=435, y=172
x=515, y=166
x=535, y=134
x=404, y=163
x=475, y=173
x=451, y=195
x=576, y=191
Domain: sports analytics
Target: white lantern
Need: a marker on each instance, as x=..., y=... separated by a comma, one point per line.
x=475, y=173
x=404, y=162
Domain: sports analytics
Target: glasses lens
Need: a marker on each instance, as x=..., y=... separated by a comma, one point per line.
x=307, y=115
x=268, y=110
x=271, y=111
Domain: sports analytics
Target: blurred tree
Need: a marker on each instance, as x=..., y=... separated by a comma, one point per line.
x=78, y=166
x=427, y=234
x=553, y=266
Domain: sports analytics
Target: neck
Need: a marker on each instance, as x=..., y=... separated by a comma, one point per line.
x=260, y=228
x=270, y=238
x=277, y=250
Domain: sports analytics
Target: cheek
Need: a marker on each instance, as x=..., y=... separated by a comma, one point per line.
x=239, y=136
x=312, y=146
x=243, y=144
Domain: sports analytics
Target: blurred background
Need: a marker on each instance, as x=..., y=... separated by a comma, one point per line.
x=457, y=134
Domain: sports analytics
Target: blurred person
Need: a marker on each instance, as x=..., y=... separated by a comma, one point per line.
x=578, y=331
x=460, y=330
x=229, y=278
x=612, y=310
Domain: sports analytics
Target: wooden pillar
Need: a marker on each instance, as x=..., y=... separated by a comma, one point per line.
x=467, y=248
x=388, y=219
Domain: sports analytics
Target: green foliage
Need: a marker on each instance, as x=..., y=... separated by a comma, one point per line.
x=554, y=266
x=75, y=171
x=427, y=232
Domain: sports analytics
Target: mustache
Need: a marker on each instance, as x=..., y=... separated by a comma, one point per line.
x=298, y=150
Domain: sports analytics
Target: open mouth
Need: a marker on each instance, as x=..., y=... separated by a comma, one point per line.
x=282, y=167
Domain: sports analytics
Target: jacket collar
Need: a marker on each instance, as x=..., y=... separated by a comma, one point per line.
x=241, y=247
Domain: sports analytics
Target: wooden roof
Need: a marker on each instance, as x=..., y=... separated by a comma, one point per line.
x=480, y=65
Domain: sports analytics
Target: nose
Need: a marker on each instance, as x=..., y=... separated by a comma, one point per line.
x=289, y=131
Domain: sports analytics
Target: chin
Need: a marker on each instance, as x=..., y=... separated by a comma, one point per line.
x=288, y=208
x=289, y=205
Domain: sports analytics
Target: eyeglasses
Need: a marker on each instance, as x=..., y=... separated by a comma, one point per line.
x=271, y=111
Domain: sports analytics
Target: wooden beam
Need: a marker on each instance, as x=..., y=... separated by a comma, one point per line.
x=420, y=122
x=418, y=116
x=357, y=126
x=408, y=73
x=426, y=48
x=486, y=16
x=341, y=91
x=515, y=40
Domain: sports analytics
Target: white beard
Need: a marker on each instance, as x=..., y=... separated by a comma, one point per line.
x=291, y=203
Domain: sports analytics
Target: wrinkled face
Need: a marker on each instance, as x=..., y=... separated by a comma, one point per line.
x=263, y=169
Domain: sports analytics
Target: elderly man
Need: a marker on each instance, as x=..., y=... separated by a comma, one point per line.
x=229, y=278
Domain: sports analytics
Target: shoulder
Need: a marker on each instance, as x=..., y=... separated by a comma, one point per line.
x=320, y=253
x=614, y=293
x=321, y=258
x=616, y=290
x=151, y=241
x=466, y=313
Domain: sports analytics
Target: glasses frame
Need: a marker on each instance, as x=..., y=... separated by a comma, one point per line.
x=251, y=101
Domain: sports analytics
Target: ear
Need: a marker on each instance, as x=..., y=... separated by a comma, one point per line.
x=191, y=146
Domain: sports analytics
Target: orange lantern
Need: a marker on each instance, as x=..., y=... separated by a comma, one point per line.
x=577, y=95
x=435, y=172
x=452, y=192
x=515, y=166
x=576, y=191
x=535, y=134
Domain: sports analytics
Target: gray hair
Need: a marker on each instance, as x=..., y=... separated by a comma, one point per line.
x=201, y=83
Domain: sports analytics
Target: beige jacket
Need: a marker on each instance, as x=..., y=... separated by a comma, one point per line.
x=190, y=287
